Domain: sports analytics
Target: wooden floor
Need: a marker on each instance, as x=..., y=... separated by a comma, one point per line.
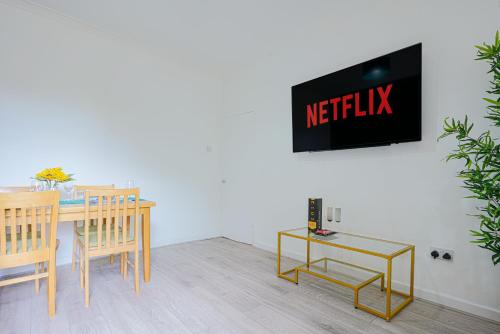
x=214, y=286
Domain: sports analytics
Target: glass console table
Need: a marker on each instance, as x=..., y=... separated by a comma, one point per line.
x=384, y=249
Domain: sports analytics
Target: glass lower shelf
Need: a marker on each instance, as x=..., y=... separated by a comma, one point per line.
x=346, y=274
x=352, y=276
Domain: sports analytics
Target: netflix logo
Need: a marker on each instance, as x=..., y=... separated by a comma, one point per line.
x=350, y=104
x=375, y=103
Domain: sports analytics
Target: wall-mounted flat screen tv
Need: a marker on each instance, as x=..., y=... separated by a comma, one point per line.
x=374, y=103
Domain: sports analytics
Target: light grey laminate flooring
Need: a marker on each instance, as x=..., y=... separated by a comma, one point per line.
x=214, y=286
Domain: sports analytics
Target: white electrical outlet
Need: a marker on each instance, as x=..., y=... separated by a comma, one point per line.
x=441, y=254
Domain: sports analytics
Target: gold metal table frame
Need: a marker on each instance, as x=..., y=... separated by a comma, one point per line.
x=402, y=248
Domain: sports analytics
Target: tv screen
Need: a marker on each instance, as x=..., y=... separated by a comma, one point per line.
x=374, y=103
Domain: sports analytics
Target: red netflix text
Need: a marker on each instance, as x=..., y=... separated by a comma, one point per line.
x=317, y=113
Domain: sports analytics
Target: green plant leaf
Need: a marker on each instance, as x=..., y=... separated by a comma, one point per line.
x=481, y=157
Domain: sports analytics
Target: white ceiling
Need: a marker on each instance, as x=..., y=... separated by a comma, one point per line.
x=225, y=33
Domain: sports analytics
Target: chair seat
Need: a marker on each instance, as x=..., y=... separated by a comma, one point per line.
x=80, y=231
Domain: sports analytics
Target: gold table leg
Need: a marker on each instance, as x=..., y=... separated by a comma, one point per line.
x=412, y=271
x=278, y=264
x=308, y=253
x=388, y=291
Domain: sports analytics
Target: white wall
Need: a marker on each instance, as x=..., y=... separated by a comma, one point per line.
x=403, y=192
x=67, y=92
x=108, y=111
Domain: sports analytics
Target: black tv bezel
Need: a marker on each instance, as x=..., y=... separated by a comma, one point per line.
x=371, y=144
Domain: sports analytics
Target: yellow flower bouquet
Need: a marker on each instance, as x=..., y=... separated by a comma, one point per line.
x=53, y=176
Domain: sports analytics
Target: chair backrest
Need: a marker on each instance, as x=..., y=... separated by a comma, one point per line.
x=37, y=210
x=117, y=206
x=14, y=189
x=93, y=187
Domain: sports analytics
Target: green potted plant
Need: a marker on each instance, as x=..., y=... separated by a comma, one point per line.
x=481, y=157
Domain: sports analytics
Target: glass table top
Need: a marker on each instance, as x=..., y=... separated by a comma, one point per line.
x=351, y=241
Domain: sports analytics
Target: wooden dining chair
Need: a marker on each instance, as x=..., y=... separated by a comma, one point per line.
x=16, y=189
x=39, y=211
x=117, y=215
x=80, y=188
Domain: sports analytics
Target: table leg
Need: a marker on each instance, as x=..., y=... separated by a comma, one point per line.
x=278, y=260
x=412, y=271
x=388, y=291
x=308, y=253
x=146, y=245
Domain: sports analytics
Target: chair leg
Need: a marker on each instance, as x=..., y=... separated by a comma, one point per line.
x=121, y=263
x=81, y=268
x=75, y=246
x=86, y=279
x=42, y=269
x=37, y=281
x=51, y=288
x=125, y=265
x=136, y=269
x=111, y=259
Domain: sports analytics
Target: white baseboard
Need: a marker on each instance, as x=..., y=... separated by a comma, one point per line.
x=428, y=295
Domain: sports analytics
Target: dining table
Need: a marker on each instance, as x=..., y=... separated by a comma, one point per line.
x=74, y=210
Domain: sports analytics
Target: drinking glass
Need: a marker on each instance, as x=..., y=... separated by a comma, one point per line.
x=37, y=185
x=130, y=184
x=68, y=190
x=79, y=195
